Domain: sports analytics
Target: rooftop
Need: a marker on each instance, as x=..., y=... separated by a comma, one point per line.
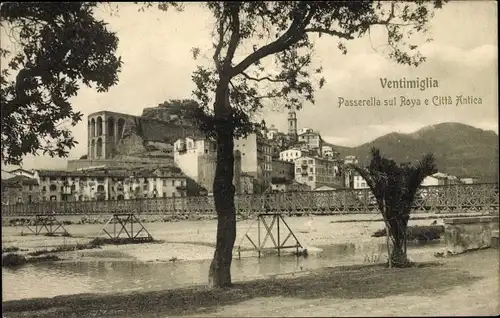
x=19, y=181
x=168, y=171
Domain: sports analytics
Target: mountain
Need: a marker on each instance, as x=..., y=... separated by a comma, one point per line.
x=460, y=150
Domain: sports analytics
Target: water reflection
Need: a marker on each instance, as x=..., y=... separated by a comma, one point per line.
x=52, y=279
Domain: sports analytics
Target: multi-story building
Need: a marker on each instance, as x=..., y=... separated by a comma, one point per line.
x=317, y=172
x=20, y=189
x=329, y=152
x=312, y=140
x=292, y=154
x=283, y=170
x=112, y=184
x=256, y=159
x=358, y=182
x=197, y=158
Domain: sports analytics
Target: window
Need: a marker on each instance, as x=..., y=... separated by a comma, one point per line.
x=30, y=187
x=311, y=178
x=164, y=194
x=62, y=188
x=173, y=182
x=53, y=187
x=29, y=199
x=164, y=183
x=145, y=187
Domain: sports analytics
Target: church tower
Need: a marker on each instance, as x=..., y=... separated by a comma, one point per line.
x=292, y=125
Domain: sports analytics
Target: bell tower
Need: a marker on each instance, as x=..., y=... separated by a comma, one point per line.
x=292, y=125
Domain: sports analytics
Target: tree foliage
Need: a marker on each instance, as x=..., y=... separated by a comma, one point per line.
x=286, y=33
x=263, y=55
x=59, y=46
x=395, y=188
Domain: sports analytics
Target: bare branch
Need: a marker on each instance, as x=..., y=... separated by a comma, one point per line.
x=291, y=36
x=267, y=78
x=339, y=34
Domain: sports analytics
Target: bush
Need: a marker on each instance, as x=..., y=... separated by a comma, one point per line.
x=420, y=233
x=10, y=249
x=13, y=260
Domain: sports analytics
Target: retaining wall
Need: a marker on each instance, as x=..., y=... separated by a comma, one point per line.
x=463, y=234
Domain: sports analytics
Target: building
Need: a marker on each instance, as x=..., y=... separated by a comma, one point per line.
x=272, y=133
x=20, y=189
x=358, y=182
x=246, y=183
x=23, y=172
x=439, y=179
x=288, y=186
x=351, y=160
x=317, y=172
x=112, y=135
x=312, y=140
x=292, y=125
x=207, y=164
x=468, y=180
x=112, y=184
x=283, y=170
x=292, y=154
x=327, y=151
x=256, y=159
x=197, y=158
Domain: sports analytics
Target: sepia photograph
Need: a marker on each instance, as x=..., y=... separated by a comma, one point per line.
x=249, y=158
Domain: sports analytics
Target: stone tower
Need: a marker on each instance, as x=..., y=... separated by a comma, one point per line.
x=292, y=125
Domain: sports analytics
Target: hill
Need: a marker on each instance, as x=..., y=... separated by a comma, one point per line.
x=460, y=149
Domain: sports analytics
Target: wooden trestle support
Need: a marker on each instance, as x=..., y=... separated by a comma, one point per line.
x=49, y=223
x=124, y=224
x=277, y=242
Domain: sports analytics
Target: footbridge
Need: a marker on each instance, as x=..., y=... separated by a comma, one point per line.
x=437, y=199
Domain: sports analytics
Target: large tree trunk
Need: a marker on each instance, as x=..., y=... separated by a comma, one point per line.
x=398, y=228
x=220, y=268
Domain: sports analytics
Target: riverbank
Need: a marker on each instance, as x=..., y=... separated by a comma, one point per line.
x=66, y=220
x=461, y=285
x=195, y=240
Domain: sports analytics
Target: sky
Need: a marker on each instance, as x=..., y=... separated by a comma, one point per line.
x=156, y=50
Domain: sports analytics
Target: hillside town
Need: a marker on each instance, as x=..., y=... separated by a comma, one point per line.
x=162, y=154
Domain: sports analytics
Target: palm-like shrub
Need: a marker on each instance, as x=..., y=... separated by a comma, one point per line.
x=395, y=188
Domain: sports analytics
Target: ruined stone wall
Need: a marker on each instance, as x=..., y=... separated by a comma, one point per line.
x=132, y=134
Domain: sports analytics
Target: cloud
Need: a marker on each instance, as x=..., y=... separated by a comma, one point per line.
x=477, y=57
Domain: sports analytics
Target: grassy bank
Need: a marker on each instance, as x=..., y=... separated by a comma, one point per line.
x=465, y=284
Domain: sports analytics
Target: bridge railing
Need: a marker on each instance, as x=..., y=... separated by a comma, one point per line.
x=467, y=197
